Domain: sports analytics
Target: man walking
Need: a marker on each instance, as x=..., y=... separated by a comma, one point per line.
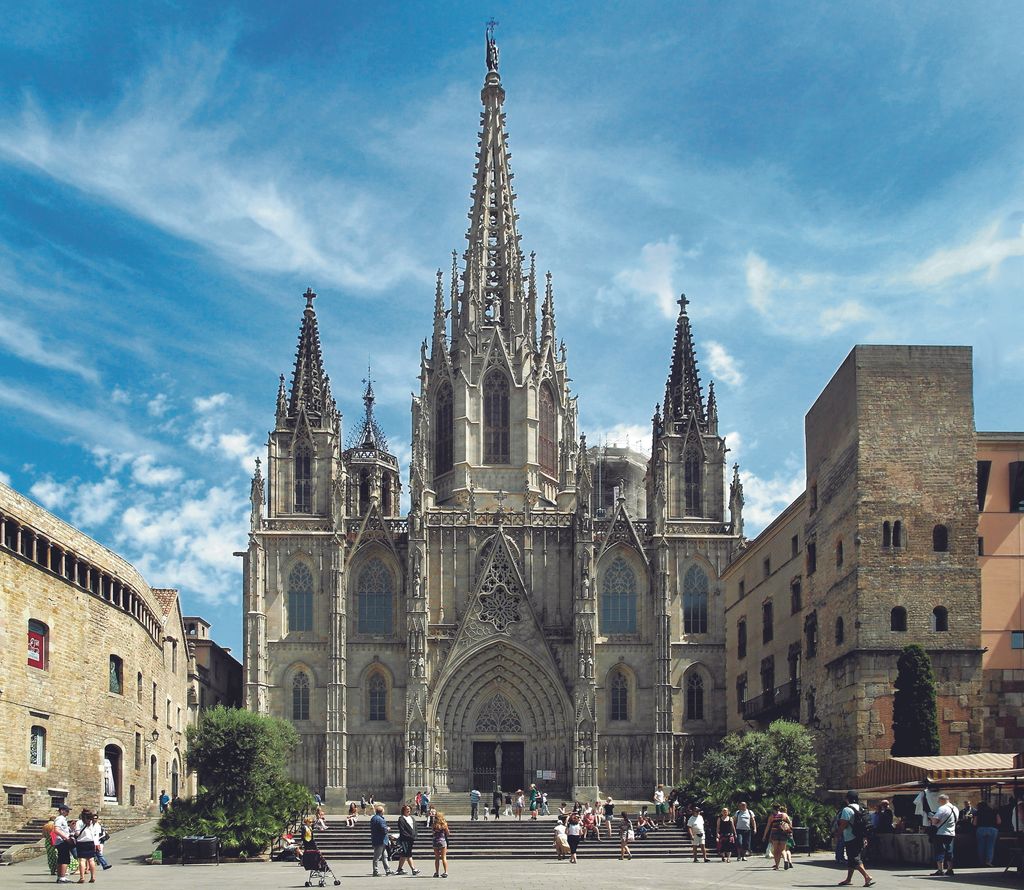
x=496, y=800
x=853, y=839
x=379, y=839
x=474, y=805
x=944, y=819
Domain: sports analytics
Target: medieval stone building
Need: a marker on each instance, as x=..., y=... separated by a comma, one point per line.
x=504, y=629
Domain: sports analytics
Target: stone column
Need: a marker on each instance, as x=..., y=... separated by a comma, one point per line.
x=336, y=789
x=585, y=736
x=663, y=670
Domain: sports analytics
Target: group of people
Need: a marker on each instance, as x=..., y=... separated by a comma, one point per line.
x=382, y=839
x=80, y=844
x=534, y=801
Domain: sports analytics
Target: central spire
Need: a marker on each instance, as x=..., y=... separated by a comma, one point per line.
x=493, y=293
x=682, y=391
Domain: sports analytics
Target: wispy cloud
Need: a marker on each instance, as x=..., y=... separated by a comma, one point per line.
x=985, y=252
x=622, y=435
x=764, y=498
x=25, y=342
x=723, y=365
x=654, y=276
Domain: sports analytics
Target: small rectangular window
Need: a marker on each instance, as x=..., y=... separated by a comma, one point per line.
x=1017, y=639
x=116, y=684
x=743, y=589
x=741, y=639
x=767, y=566
x=812, y=558
x=814, y=496
x=794, y=546
x=984, y=471
x=57, y=800
x=981, y=546
x=15, y=799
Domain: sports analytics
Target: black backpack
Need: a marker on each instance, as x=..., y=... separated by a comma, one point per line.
x=861, y=825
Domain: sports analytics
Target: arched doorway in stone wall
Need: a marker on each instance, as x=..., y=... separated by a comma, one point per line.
x=112, y=762
x=501, y=716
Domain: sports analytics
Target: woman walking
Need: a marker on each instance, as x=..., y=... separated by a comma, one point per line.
x=574, y=831
x=625, y=836
x=87, y=836
x=777, y=832
x=441, y=836
x=726, y=834
x=406, y=839
x=787, y=851
x=534, y=802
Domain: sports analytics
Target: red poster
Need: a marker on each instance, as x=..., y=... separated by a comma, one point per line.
x=36, y=654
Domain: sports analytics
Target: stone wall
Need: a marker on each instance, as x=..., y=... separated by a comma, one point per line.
x=70, y=697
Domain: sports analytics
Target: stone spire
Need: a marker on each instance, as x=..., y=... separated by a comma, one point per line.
x=682, y=391
x=282, y=403
x=736, y=502
x=712, y=409
x=438, y=344
x=369, y=434
x=493, y=282
x=547, y=324
x=311, y=390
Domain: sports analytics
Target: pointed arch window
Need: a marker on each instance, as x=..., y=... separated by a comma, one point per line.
x=618, y=598
x=548, y=452
x=300, y=696
x=300, y=598
x=303, y=478
x=377, y=695
x=695, y=697
x=375, y=595
x=618, y=698
x=693, y=468
x=695, y=601
x=496, y=418
x=444, y=433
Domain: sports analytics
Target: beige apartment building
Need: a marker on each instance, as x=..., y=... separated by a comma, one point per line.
x=878, y=552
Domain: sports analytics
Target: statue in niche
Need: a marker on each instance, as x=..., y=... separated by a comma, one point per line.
x=109, y=788
x=497, y=760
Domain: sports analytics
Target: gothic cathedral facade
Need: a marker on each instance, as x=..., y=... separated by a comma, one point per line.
x=504, y=629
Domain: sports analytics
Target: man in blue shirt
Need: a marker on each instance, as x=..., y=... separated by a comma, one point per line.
x=379, y=839
x=474, y=805
x=853, y=844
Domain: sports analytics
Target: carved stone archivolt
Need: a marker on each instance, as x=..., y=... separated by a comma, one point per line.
x=498, y=716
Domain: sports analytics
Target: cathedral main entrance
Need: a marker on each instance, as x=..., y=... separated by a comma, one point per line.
x=499, y=762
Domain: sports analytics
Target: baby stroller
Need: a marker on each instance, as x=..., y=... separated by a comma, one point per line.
x=393, y=849
x=313, y=861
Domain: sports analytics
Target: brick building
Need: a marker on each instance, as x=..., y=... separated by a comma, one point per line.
x=94, y=710
x=1001, y=559
x=218, y=672
x=878, y=552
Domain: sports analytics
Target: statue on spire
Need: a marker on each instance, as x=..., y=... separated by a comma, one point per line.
x=492, y=47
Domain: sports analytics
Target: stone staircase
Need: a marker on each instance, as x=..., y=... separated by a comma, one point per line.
x=29, y=833
x=502, y=839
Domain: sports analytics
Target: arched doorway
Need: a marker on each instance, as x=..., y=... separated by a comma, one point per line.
x=174, y=777
x=501, y=715
x=112, y=760
x=152, y=777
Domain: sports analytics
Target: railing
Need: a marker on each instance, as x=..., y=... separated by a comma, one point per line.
x=773, y=701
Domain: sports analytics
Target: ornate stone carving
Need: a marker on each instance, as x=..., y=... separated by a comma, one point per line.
x=498, y=715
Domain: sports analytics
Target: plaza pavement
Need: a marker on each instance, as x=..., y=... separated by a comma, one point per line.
x=128, y=850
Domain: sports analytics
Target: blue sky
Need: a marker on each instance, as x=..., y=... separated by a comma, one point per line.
x=174, y=175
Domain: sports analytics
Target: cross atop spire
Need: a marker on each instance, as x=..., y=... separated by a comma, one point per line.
x=310, y=389
x=682, y=391
x=492, y=47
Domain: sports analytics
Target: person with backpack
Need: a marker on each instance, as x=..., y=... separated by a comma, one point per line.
x=855, y=828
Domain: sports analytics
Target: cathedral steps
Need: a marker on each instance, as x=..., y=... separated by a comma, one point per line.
x=502, y=839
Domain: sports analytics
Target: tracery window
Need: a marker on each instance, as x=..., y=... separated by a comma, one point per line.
x=377, y=694
x=374, y=592
x=695, y=696
x=695, y=602
x=300, y=598
x=618, y=698
x=443, y=429
x=618, y=598
x=496, y=418
x=548, y=452
x=300, y=696
x=303, y=479
x=692, y=482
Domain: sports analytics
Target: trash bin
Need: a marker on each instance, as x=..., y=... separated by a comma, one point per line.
x=801, y=838
x=189, y=848
x=209, y=848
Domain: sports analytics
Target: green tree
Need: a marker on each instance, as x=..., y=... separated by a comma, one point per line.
x=244, y=796
x=915, y=724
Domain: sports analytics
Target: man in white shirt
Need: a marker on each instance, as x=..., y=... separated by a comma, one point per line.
x=63, y=830
x=660, y=807
x=944, y=819
x=695, y=825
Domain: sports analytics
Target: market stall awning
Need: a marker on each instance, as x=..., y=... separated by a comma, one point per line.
x=910, y=772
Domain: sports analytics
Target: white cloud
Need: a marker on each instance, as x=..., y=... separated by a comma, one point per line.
x=51, y=494
x=158, y=405
x=764, y=499
x=986, y=251
x=205, y=404
x=723, y=366
x=655, y=275
x=622, y=435
x=145, y=471
x=5, y=478
x=95, y=502
x=734, y=442
x=761, y=282
x=25, y=342
x=120, y=396
x=847, y=313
